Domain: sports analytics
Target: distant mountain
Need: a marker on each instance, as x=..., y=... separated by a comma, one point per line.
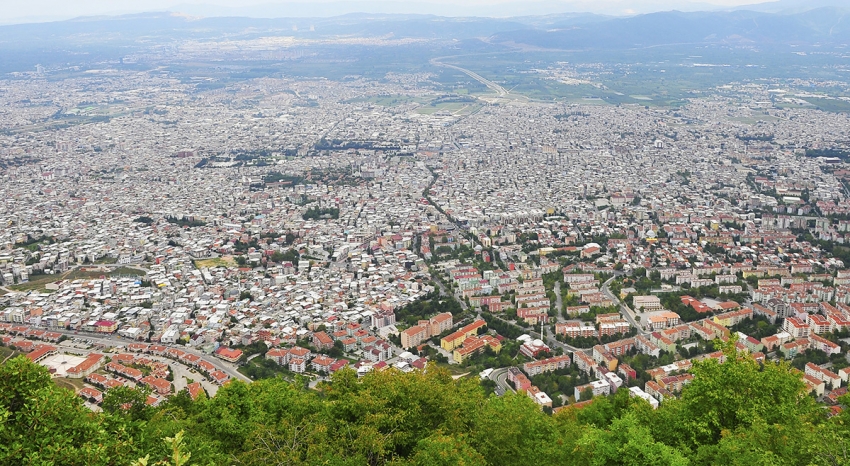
x=501, y=9
x=31, y=12
x=792, y=6
x=823, y=25
x=563, y=31
x=167, y=26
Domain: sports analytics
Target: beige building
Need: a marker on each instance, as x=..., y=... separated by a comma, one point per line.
x=425, y=329
x=646, y=303
x=414, y=336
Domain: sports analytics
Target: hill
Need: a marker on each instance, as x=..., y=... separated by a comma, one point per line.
x=821, y=25
x=404, y=42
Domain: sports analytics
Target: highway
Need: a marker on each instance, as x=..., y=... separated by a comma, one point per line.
x=501, y=91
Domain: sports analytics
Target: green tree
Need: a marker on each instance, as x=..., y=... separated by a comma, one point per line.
x=739, y=412
x=128, y=402
x=178, y=454
x=627, y=442
x=45, y=424
x=442, y=450
x=738, y=398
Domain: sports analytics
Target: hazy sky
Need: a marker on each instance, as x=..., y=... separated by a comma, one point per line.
x=38, y=10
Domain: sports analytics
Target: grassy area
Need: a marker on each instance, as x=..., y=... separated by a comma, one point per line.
x=225, y=261
x=107, y=260
x=7, y=353
x=39, y=283
x=127, y=271
x=829, y=105
x=85, y=275
x=89, y=275
x=74, y=385
x=455, y=108
x=80, y=274
x=262, y=368
x=387, y=100
x=456, y=370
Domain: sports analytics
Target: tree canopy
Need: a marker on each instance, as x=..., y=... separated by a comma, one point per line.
x=737, y=412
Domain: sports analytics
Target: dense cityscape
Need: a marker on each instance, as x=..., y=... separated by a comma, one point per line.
x=319, y=213
x=166, y=238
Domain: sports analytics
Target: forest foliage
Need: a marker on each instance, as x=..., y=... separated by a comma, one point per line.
x=738, y=412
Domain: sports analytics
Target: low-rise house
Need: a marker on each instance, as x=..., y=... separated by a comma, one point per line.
x=228, y=354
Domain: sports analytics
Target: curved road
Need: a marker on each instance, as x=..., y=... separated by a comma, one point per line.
x=500, y=376
x=114, y=341
x=490, y=84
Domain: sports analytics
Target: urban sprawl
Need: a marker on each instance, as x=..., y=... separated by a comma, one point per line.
x=158, y=234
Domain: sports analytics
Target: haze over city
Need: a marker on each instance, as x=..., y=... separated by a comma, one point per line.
x=52, y=10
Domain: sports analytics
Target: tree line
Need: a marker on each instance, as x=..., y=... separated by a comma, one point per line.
x=739, y=412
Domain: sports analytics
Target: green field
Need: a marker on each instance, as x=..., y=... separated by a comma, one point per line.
x=39, y=283
x=387, y=100
x=75, y=385
x=455, y=108
x=120, y=271
x=829, y=105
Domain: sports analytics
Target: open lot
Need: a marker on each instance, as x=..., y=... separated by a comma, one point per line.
x=61, y=363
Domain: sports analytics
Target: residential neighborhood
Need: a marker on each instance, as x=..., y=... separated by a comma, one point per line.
x=568, y=250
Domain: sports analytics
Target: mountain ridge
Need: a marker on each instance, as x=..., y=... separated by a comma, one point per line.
x=820, y=25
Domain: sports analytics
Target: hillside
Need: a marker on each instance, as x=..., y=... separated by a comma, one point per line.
x=813, y=26
x=737, y=412
x=822, y=25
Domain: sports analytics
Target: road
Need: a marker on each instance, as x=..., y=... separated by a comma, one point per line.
x=115, y=341
x=180, y=371
x=625, y=310
x=550, y=339
x=559, y=303
x=490, y=84
x=444, y=291
x=442, y=352
x=439, y=283
x=500, y=376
